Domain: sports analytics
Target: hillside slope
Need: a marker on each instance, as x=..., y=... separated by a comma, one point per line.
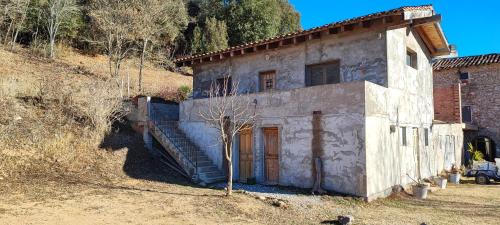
x=26, y=68
x=56, y=117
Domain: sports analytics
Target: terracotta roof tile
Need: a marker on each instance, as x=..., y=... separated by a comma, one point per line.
x=458, y=62
x=311, y=30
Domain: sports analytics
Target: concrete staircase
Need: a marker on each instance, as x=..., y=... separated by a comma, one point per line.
x=193, y=161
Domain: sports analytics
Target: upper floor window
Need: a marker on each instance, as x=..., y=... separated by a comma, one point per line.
x=411, y=58
x=325, y=73
x=224, y=86
x=464, y=77
x=267, y=80
x=467, y=114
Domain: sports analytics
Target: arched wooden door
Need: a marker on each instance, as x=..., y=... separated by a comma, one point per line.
x=271, y=155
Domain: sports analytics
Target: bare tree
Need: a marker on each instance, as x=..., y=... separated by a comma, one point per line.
x=15, y=12
x=159, y=21
x=56, y=13
x=229, y=113
x=116, y=20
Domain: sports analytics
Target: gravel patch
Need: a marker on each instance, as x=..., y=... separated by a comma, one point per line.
x=295, y=197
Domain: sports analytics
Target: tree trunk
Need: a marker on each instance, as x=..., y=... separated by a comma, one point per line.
x=142, y=63
x=13, y=44
x=110, y=54
x=8, y=31
x=229, y=187
x=52, y=44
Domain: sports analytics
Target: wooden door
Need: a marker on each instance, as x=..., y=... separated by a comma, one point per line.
x=271, y=157
x=246, y=154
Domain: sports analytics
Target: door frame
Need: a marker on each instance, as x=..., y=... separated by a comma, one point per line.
x=279, y=129
x=252, y=148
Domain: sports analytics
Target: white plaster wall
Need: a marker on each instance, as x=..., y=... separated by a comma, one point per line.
x=448, y=142
x=342, y=107
x=361, y=55
x=406, y=102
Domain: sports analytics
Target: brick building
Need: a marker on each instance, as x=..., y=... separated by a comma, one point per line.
x=468, y=89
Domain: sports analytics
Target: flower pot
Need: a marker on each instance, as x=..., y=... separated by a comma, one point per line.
x=455, y=178
x=420, y=191
x=441, y=182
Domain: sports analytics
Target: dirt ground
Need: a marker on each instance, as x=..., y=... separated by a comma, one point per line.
x=139, y=201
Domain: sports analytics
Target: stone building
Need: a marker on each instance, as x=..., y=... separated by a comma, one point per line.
x=468, y=89
x=362, y=86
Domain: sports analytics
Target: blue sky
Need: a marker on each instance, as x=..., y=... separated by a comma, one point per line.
x=472, y=25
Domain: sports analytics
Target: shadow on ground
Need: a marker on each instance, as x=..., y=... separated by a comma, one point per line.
x=139, y=163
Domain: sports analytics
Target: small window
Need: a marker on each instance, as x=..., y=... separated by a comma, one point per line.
x=464, y=76
x=467, y=114
x=267, y=80
x=403, y=136
x=426, y=136
x=411, y=58
x=221, y=86
x=326, y=73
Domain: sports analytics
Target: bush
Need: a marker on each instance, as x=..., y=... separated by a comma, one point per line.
x=58, y=129
x=184, y=92
x=177, y=95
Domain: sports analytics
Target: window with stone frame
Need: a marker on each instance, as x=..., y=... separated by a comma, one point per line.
x=267, y=80
x=324, y=73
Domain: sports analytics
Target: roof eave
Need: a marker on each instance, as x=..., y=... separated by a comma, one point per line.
x=429, y=29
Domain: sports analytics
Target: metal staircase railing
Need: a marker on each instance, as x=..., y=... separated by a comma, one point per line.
x=171, y=130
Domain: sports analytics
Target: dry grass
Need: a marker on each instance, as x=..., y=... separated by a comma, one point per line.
x=133, y=201
x=55, y=114
x=156, y=80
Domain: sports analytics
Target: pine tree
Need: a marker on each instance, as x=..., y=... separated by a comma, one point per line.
x=215, y=35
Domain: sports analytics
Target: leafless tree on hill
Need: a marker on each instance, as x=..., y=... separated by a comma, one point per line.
x=56, y=13
x=116, y=20
x=160, y=22
x=14, y=12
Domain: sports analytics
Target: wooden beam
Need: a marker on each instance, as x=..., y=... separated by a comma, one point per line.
x=422, y=21
x=427, y=43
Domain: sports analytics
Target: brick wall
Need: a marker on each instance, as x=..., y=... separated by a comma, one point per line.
x=447, y=105
x=481, y=93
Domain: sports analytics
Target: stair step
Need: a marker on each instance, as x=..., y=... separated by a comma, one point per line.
x=210, y=174
x=206, y=169
x=205, y=163
x=210, y=168
x=214, y=179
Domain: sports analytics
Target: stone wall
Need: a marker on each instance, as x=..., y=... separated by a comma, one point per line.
x=482, y=93
x=342, y=108
x=362, y=57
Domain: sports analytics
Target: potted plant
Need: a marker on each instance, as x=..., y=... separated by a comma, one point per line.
x=441, y=180
x=476, y=156
x=455, y=174
x=420, y=189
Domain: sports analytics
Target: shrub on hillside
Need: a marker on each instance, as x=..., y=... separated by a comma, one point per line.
x=58, y=129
